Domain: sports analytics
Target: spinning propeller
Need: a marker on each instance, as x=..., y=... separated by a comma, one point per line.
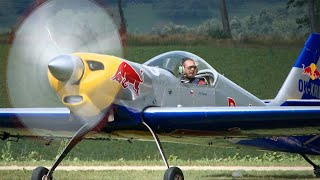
x=44, y=72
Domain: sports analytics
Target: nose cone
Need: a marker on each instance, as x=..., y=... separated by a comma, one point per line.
x=66, y=68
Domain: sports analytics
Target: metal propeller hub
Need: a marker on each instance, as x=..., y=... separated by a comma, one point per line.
x=66, y=68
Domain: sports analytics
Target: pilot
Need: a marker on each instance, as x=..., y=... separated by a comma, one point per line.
x=188, y=70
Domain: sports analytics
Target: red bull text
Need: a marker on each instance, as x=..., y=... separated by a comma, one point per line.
x=126, y=75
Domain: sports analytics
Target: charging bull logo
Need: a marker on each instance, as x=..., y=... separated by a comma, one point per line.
x=311, y=71
x=126, y=75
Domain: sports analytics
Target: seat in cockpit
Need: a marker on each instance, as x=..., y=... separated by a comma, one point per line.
x=207, y=75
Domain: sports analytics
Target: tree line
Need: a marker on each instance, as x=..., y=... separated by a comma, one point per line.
x=308, y=18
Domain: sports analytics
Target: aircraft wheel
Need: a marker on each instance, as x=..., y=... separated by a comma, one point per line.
x=40, y=173
x=173, y=173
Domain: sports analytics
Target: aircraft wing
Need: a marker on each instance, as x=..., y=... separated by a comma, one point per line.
x=8, y=115
x=195, y=121
x=247, y=121
x=31, y=121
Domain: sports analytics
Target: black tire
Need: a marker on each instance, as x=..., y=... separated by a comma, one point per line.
x=173, y=173
x=317, y=172
x=39, y=172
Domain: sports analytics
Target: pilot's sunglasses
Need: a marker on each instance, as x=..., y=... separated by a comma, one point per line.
x=192, y=67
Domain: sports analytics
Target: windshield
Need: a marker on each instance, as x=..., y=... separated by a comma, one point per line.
x=172, y=60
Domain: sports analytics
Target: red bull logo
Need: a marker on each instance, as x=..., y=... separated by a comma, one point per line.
x=126, y=75
x=312, y=71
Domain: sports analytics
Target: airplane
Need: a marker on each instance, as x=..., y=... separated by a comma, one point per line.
x=127, y=100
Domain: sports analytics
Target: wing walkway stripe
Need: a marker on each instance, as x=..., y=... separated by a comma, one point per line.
x=157, y=168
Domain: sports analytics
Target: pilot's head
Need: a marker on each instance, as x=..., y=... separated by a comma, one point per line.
x=189, y=68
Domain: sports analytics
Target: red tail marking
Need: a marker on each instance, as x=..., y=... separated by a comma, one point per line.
x=231, y=102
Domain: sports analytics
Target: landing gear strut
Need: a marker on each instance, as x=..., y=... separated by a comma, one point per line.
x=316, y=168
x=41, y=173
x=172, y=173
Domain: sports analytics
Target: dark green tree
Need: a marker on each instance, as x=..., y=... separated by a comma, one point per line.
x=182, y=9
x=312, y=15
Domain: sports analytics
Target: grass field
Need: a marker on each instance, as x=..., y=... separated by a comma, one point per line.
x=116, y=152
x=119, y=153
x=154, y=175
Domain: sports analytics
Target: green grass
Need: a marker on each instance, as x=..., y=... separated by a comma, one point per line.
x=146, y=175
x=31, y=152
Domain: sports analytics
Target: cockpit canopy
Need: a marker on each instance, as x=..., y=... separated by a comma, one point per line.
x=172, y=60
